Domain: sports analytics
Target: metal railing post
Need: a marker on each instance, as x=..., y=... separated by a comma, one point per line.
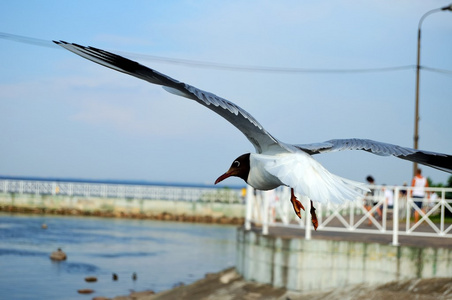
x=307, y=216
x=265, y=213
x=443, y=206
x=395, y=218
x=408, y=210
x=249, y=206
x=384, y=213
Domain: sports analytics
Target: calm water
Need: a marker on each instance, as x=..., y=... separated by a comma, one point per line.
x=161, y=253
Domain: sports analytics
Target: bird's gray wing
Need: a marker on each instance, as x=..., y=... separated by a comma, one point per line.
x=432, y=159
x=256, y=134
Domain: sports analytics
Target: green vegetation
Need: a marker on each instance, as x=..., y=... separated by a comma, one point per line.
x=447, y=213
x=437, y=219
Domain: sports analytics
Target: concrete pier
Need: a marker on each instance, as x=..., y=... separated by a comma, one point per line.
x=118, y=206
x=319, y=264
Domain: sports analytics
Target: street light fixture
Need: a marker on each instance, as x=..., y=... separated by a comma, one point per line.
x=418, y=68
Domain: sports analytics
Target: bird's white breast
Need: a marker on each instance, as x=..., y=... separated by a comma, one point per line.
x=259, y=177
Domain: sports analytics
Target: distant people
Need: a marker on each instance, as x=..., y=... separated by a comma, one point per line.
x=272, y=199
x=370, y=199
x=403, y=191
x=243, y=194
x=389, y=197
x=419, y=183
x=402, y=200
x=432, y=200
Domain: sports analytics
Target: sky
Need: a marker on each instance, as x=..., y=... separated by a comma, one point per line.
x=66, y=117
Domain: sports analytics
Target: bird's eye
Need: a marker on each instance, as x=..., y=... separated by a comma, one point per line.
x=237, y=163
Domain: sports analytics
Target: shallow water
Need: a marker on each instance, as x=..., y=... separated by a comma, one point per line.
x=162, y=254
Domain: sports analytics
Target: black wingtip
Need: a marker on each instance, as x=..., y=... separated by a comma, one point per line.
x=438, y=161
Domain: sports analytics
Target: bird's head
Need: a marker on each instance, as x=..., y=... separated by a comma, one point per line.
x=240, y=167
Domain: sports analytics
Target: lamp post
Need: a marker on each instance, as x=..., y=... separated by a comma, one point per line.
x=418, y=68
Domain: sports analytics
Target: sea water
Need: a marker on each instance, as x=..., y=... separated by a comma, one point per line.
x=162, y=254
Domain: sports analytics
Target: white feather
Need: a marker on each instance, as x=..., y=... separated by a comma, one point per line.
x=305, y=175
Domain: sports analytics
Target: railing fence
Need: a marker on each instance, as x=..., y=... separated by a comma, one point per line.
x=151, y=192
x=369, y=214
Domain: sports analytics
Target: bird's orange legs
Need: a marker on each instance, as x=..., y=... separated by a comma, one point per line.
x=297, y=207
x=314, y=220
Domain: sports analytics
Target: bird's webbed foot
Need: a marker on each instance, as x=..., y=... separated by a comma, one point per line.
x=297, y=206
x=314, y=220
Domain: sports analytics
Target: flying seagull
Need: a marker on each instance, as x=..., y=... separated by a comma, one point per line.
x=275, y=163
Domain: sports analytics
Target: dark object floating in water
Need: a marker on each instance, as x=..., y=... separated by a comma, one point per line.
x=115, y=276
x=85, y=291
x=134, y=276
x=90, y=279
x=58, y=255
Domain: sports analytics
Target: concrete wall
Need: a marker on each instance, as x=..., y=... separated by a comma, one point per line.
x=154, y=207
x=303, y=265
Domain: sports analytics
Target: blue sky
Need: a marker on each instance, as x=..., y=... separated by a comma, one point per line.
x=62, y=116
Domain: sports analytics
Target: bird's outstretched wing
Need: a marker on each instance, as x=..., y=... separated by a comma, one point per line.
x=435, y=160
x=256, y=134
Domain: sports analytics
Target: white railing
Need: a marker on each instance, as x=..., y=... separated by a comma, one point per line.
x=152, y=192
x=370, y=214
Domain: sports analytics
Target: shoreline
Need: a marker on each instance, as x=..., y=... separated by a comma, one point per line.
x=228, y=284
x=164, y=216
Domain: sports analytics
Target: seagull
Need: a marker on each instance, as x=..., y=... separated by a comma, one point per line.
x=275, y=163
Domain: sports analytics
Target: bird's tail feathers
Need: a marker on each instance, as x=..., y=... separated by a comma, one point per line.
x=309, y=178
x=331, y=188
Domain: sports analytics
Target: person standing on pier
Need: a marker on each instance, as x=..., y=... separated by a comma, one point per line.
x=371, y=199
x=419, y=183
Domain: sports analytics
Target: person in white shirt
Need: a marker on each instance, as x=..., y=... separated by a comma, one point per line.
x=419, y=183
x=432, y=200
x=389, y=196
